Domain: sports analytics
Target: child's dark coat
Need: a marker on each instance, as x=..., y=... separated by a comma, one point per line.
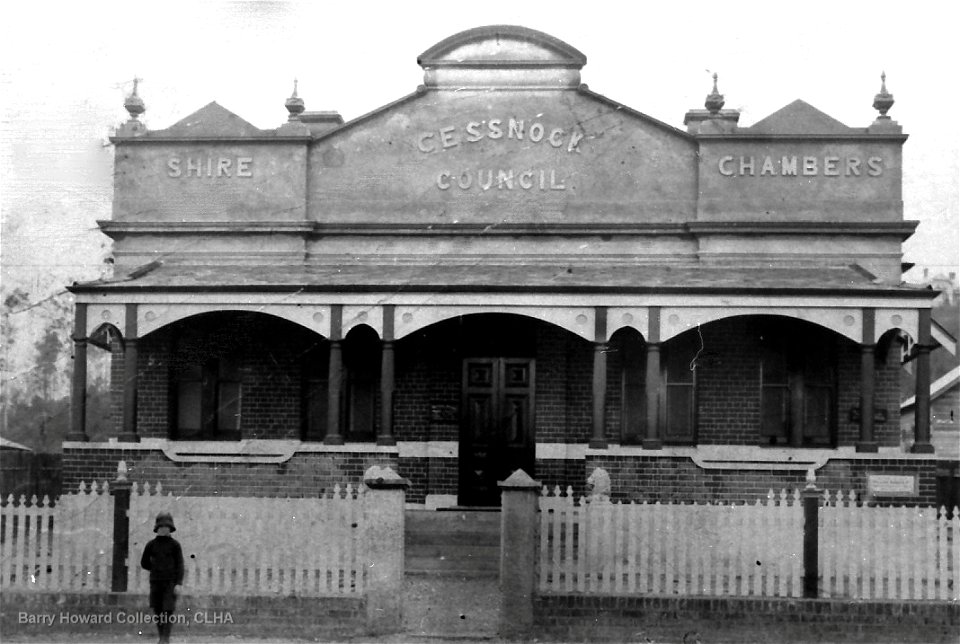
x=163, y=557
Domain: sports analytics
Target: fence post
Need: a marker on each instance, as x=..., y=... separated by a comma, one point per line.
x=518, y=553
x=120, y=491
x=383, y=536
x=811, y=536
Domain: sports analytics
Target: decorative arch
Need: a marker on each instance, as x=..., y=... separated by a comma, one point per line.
x=577, y=320
x=101, y=336
x=636, y=318
x=362, y=316
x=905, y=320
x=847, y=322
x=151, y=317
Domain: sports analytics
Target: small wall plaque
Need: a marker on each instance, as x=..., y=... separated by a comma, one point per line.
x=892, y=485
x=443, y=413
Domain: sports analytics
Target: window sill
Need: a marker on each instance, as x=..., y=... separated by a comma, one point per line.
x=752, y=457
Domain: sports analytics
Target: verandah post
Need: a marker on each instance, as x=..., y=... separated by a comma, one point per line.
x=518, y=553
x=811, y=536
x=120, y=491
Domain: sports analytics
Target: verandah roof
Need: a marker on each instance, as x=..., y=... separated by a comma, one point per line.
x=519, y=277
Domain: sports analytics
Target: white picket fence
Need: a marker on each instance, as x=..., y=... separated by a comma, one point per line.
x=68, y=546
x=887, y=552
x=257, y=546
x=593, y=545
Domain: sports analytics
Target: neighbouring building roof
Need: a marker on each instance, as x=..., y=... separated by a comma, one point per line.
x=939, y=387
x=11, y=445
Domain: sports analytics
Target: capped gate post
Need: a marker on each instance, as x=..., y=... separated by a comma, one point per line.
x=383, y=544
x=518, y=553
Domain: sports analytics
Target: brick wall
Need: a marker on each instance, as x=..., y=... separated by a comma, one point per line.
x=304, y=475
x=664, y=479
x=269, y=353
x=741, y=619
x=428, y=379
x=561, y=472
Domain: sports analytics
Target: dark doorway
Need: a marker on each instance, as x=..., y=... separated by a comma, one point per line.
x=497, y=428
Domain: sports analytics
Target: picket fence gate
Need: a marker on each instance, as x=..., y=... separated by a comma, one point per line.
x=593, y=545
x=67, y=546
x=259, y=545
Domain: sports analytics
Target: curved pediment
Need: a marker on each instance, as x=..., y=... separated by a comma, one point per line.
x=501, y=45
x=502, y=56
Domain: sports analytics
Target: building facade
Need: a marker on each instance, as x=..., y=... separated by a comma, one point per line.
x=503, y=270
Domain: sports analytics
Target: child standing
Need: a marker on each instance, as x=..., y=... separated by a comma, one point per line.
x=163, y=557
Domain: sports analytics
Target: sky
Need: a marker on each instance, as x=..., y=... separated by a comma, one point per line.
x=65, y=69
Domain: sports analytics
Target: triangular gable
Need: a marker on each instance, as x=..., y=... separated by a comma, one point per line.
x=212, y=120
x=799, y=117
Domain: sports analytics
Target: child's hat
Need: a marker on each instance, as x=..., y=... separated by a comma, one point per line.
x=164, y=519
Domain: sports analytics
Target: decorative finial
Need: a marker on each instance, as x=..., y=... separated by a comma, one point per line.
x=714, y=101
x=134, y=104
x=883, y=101
x=811, y=479
x=294, y=104
x=122, y=471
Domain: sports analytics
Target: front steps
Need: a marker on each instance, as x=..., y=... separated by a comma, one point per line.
x=458, y=543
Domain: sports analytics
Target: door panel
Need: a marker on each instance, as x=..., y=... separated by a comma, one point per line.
x=496, y=434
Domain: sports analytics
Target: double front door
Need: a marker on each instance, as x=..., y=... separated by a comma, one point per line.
x=496, y=431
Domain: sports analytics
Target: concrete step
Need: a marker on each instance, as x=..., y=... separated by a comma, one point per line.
x=474, y=551
x=415, y=563
x=452, y=543
x=458, y=521
x=443, y=538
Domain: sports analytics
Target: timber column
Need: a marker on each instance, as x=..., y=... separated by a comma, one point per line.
x=335, y=377
x=867, y=366
x=78, y=397
x=598, y=439
x=651, y=385
x=921, y=408
x=130, y=376
x=385, y=437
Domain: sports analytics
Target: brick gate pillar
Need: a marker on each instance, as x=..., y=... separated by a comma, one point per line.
x=384, y=547
x=518, y=553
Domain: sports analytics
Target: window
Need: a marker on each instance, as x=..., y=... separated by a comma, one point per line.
x=361, y=360
x=315, y=370
x=208, y=400
x=797, y=387
x=633, y=394
x=679, y=410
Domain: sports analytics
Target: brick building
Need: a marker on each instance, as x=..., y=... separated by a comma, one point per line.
x=501, y=270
